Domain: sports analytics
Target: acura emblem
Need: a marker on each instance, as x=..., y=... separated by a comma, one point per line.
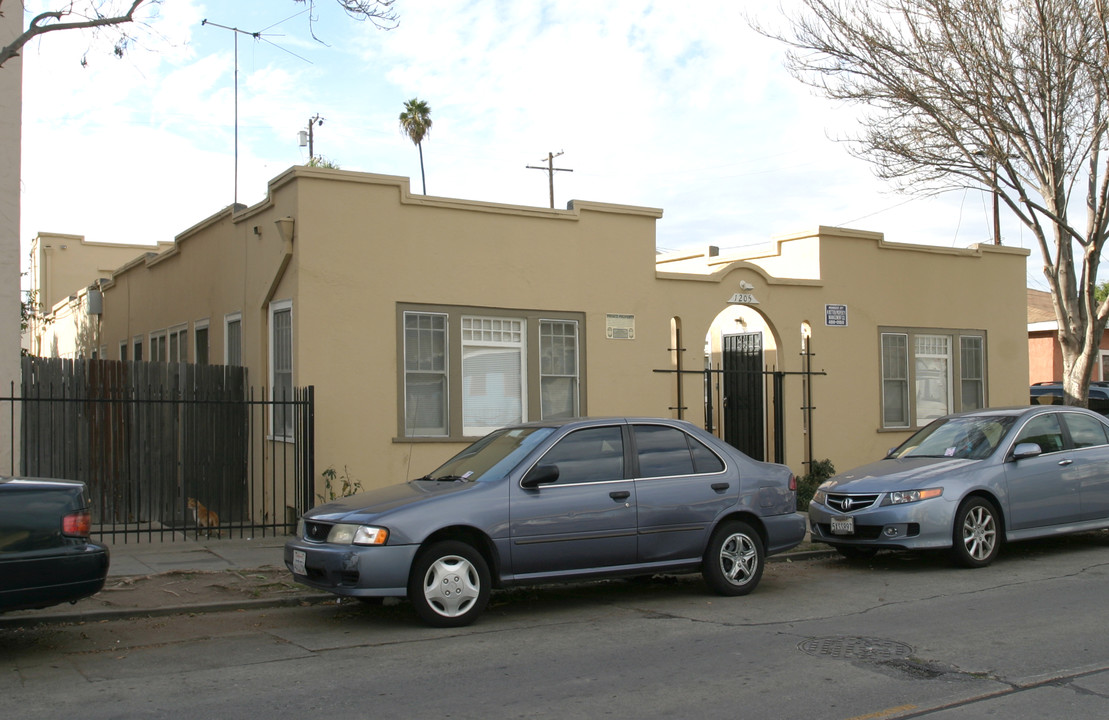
x=846, y=504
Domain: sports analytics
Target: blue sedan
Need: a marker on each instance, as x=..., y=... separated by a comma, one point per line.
x=971, y=482
x=561, y=501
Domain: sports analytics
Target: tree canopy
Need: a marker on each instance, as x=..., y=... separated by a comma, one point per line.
x=1009, y=95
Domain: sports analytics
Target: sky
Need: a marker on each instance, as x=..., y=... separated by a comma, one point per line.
x=678, y=106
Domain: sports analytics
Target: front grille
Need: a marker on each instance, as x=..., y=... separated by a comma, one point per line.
x=316, y=531
x=851, y=503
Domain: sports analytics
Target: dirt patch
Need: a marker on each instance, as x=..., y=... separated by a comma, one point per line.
x=181, y=588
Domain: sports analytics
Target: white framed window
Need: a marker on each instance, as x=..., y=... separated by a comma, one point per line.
x=923, y=378
x=494, y=391
x=972, y=373
x=233, y=339
x=178, y=344
x=137, y=344
x=558, y=369
x=123, y=351
x=281, y=368
x=425, y=375
x=200, y=342
x=158, y=346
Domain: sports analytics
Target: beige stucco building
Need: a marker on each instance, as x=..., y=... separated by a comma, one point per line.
x=423, y=322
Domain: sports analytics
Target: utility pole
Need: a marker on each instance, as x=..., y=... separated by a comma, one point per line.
x=551, y=169
x=307, y=136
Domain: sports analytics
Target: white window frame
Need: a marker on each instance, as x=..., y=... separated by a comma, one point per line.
x=910, y=377
x=496, y=333
x=157, y=343
x=235, y=318
x=137, y=342
x=573, y=377
x=286, y=433
x=177, y=337
x=124, y=348
x=198, y=326
x=444, y=372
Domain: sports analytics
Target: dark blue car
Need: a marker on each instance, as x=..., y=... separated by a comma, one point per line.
x=559, y=501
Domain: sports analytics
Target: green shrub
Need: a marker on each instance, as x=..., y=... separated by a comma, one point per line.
x=819, y=471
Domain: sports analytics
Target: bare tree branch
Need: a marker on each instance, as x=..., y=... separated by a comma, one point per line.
x=52, y=22
x=1007, y=95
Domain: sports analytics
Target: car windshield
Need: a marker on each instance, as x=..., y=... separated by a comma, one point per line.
x=972, y=438
x=491, y=457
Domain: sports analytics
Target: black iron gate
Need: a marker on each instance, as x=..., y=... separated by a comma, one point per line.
x=743, y=411
x=167, y=450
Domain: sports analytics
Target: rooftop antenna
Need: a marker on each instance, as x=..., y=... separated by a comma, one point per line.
x=257, y=36
x=551, y=169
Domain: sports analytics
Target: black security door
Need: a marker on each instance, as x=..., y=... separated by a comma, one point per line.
x=743, y=393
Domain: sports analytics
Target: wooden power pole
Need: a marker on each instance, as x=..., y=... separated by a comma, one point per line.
x=551, y=169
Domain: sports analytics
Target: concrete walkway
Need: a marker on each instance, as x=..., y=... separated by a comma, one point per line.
x=151, y=557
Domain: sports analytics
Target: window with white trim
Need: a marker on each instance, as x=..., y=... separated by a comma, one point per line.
x=493, y=383
x=178, y=344
x=425, y=374
x=558, y=369
x=233, y=339
x=281, y=368
x=158, y=346
x=923, y=378
x=467, y=371
x=200, y=342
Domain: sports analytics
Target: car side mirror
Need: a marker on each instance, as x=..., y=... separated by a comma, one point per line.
x=1026, y=450
x=540, y=475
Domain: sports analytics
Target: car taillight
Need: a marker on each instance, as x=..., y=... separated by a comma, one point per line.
x=77, y=524
x=793, y=483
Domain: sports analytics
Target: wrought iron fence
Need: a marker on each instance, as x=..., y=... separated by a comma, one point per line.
x=168, y=450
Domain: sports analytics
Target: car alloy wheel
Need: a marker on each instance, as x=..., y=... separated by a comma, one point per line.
x=734, y=559
x=449, y=584
x=976, y=539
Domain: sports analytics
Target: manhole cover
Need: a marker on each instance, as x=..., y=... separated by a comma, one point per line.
x=856, y=648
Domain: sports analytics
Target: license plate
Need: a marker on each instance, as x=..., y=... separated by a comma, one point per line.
x=298, y=562
x=843, y=526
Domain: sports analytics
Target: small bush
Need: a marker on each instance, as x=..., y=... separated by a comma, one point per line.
x=819, y=471
x=337, y=485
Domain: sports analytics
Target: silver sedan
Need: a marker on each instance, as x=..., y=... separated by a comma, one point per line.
x=972, y=482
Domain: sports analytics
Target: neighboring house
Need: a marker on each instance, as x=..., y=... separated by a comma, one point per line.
x=424, y=322
x=11, y=111
x=63, y=269
x=1045, y=357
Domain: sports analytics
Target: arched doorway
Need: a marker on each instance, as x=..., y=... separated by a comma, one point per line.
x=741, y=346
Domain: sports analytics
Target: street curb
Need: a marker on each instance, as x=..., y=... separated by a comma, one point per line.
x=316, y=598
x=93, y=616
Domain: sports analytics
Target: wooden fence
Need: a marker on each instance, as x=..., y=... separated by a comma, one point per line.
x=166, y=448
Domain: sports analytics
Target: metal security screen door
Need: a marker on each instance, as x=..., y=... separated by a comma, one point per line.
x=743, y=394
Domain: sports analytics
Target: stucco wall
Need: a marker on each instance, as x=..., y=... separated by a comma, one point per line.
x=11, y=94
x=363, y=246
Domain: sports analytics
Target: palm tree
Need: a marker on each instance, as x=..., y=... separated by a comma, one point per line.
x=415, y=122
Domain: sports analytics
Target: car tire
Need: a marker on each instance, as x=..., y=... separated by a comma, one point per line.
x=976, y=535
x=734, y=559
x=449, y=584
x=856, y=554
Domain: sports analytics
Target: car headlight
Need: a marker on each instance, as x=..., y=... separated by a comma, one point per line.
x=900, y=497
x=357, y=535
x=820, y=497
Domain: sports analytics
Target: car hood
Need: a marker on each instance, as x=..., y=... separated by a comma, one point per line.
x=896, y=474
x=386, y=499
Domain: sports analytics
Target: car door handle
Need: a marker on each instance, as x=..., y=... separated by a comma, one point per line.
x=1065, y=462
x=620, y=495
x=721, y=487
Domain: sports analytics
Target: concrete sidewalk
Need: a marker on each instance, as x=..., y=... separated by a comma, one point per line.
x=151, y=557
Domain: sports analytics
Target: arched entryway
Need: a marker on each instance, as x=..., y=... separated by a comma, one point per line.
x=741, y=350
